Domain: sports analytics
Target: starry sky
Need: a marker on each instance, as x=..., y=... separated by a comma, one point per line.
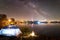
x=31, y=9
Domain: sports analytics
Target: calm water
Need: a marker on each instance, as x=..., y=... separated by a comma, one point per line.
x=48, y=31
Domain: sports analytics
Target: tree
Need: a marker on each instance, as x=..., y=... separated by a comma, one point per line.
x=3, y=19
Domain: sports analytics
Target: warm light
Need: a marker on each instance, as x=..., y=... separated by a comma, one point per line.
x=9, y=20
x=22, y=20
x=32, y=34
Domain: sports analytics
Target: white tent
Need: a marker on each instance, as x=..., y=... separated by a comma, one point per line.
x=10, y=31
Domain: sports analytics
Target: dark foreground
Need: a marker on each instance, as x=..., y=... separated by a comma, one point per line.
x=44, y=32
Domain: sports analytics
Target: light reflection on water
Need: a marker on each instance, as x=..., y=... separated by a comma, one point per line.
x=52, y=30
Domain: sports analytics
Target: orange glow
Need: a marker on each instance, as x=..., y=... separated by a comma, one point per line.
x=32, y=34
x=9, y=20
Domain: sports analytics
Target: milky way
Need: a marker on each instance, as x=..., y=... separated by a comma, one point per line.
x=31, y=9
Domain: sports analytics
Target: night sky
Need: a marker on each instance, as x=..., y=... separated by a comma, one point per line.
x=31, y=9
